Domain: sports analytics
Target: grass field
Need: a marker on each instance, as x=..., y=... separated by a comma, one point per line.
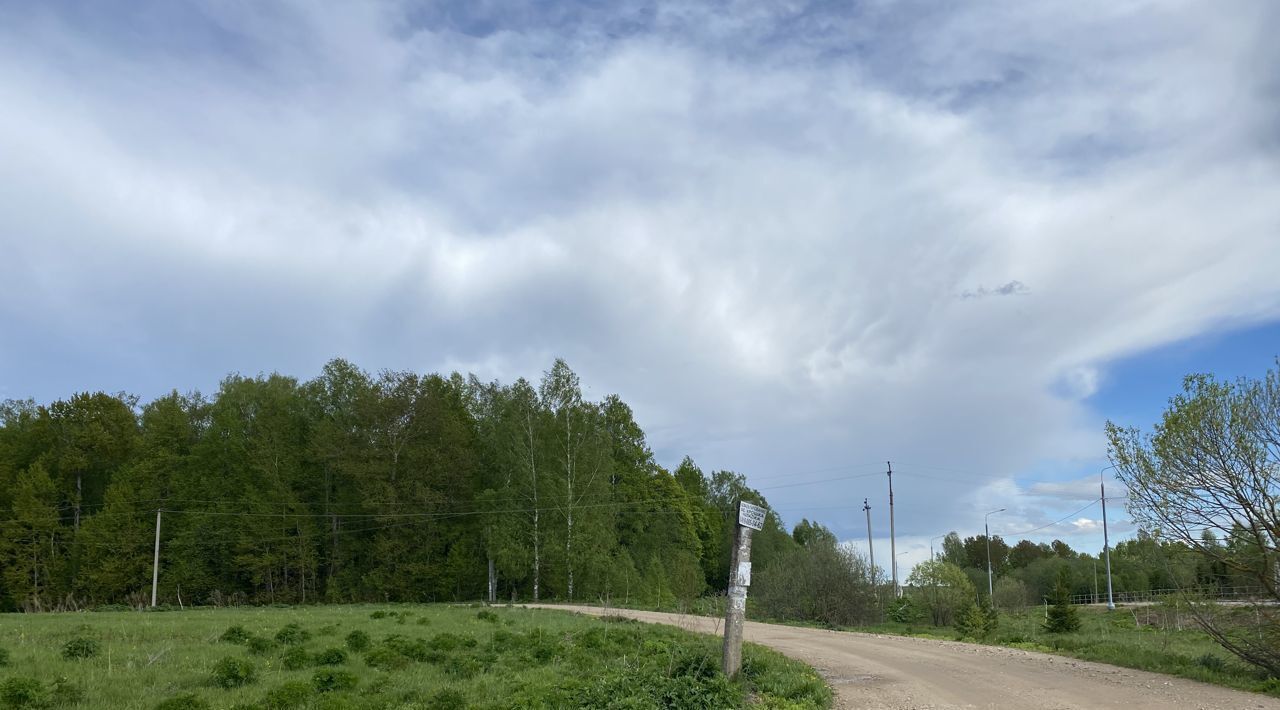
x=1155, y=638
x=379, y=656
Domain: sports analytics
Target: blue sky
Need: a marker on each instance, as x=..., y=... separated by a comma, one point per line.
x=799, y=238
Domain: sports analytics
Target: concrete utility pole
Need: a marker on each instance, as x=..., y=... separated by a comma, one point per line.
x=155, y=562
x=1106, y=542
x=871, y=550
x=893, y=546
x=986, y=529
x=750, y=518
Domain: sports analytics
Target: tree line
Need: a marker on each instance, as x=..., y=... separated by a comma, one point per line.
x=358, y=487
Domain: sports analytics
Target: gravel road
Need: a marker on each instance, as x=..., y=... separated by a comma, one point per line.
x=874, y=671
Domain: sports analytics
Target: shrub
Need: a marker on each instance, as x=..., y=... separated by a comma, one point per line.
x=904, y=611
x=19, y=692
x=379, y=614
x=1211, y=662
x=977, y=621
x=186, y=701
x=260, y=645
x=486, y=615
x=233, y=673
x=295, y=658
x=235, y=634
x=290, y=695
x=446, y=699
x=66, y=693
x=4, y=657
x=331, y=657
x=1061, y=617
x=357, y=641
x=292, y=635
x=327, y=680
x=386, y=659
x=81, y=647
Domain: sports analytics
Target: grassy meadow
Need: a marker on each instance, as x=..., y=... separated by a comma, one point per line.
x=1158, y=638
x=379, y=656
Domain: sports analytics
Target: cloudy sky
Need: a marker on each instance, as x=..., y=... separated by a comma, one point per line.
x=801, y=239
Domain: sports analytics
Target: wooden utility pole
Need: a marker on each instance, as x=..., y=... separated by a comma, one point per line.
x=893, y=546
x=155, y=562
x=750, y=518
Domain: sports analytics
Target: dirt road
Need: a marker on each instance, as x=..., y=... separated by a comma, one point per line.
x=873, y=671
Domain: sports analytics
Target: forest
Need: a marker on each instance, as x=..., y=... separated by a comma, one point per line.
x=405, y=487
x=356, y=487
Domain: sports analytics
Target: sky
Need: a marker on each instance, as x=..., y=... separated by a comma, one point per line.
x=800, y=239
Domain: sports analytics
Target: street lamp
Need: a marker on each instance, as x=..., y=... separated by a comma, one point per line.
x=1106, y=542
x=987, y=529
x=935, y=537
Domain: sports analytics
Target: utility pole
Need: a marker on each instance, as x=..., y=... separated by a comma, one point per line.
x=1106, y=542
x=155, y=562
x=750, y=518
x=871, y=550
x=987, y=530
x=893, y=546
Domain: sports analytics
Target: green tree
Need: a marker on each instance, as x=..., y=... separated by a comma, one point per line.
x=1061, y=617
x=1213, y=463
x=30, y=543
x=942, y=588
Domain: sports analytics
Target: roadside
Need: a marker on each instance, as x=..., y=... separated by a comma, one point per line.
x=898, y=672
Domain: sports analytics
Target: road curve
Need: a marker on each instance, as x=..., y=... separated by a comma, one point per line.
x=895, y=672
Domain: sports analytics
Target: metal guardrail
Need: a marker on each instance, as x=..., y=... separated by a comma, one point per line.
x=1154, y=595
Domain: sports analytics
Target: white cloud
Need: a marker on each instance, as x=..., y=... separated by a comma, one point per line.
x=758, y=226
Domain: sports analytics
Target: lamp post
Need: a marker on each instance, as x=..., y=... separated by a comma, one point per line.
x=1106, y=542
x=935, y=537
x=987, y=529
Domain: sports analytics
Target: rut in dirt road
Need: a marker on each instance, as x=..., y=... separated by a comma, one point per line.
x=873, y=671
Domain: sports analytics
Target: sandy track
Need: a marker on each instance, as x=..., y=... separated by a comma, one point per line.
x=874, y=671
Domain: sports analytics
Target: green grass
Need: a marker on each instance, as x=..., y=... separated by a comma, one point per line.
x=1115, y=637
x=416, y=656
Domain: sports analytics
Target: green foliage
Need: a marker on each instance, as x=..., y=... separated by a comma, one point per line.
x=486, y=615
x=81, y=647
x=234, y=672
x=977, y=621
x=357, y=641
x=941, y=589
x=295, y=658
x=331, y=657
x=293, y=694
x=185, y=701
x=385, y=658
x=328, y=680
x=235, y=634
x=4, y=657
x=904, y=611
x=446, y=699
x=1061, y=617
x=292, y=635
x=260, y=645
x=21, y=692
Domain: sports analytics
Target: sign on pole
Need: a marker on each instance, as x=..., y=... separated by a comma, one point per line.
x=750, y=518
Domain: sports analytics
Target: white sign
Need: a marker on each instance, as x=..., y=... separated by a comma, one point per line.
x=751, y=516
x=744, y=574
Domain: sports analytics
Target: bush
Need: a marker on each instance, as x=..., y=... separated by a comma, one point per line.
x=386, y=659
x=295, y=658
x=66, y=693
x=379, y=614
x=290, y=695
x=904, y=611
x=292, y=635
x=235, y=634
x=446, y=699
x=327, y=680
x=233, y=673
x=4, y=657
x=186, y=701
x=331, y=657
x=486, y=615
x=357, y=641
x=81, y=647
x=260, y=645
x=1061, y=617
x=1211, y=662
x=19, y=692
x=977, y=621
